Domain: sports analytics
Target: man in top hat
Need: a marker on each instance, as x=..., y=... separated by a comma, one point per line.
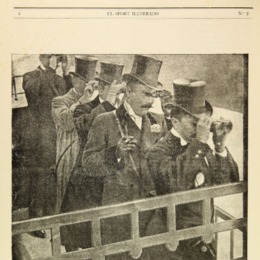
x=41, y=86
x=117, y=143
x=84, y=191
x=62, y=112
x=183, y=160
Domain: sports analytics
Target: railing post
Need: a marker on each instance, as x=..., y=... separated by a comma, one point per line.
x=96, y=239
x=171, y=222
x=206, y=219
x=136, y=250
x=55, y=241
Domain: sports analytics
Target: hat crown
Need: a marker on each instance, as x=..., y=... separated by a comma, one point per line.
x=190, y=94
x=86, y=67
x=110, y=72
x=146, y=70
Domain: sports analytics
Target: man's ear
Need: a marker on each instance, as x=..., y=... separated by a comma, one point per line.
x=128, y=90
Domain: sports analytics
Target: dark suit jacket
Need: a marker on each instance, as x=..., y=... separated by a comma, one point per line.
x=40, y=88
x=82, y=191
x=175, y=167
x=100, y=156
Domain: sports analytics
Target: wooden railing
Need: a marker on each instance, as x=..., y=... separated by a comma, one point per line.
x=221, y=214
x=136, y=243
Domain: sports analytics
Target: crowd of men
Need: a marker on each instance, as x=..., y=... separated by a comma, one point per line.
x=95, y=132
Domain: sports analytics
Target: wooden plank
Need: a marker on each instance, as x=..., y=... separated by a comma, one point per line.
x=125, y=208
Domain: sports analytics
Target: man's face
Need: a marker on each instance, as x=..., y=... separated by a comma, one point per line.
x=53, y=62
x=103, y=89
x=187, y=125
x=140, y=98
x=48, y=61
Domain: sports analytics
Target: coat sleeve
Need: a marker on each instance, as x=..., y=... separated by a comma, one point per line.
x=200, y=158
x=162, y=169
x=62, y=114
x=82, y=119
x=172, y=175
x=98, y=159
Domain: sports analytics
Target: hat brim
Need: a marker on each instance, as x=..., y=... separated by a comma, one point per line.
x=127, y=77
x=109, y=83
x=77, y=75
x=197, y=110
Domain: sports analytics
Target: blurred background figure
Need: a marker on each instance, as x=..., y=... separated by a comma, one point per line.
x=62, y=112
x=41, y=86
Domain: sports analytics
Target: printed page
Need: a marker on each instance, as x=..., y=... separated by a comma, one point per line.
x=188, y=54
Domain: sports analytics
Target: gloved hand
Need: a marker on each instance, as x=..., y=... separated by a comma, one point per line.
x=113, y=91
x=88, y=91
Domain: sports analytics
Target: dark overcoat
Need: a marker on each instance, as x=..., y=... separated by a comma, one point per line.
x=121, y=182
x=175, y=167
x=83, y=191
x=40, y=87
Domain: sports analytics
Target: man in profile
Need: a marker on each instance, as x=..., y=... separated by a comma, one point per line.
x=183, y=160
x=116, y=147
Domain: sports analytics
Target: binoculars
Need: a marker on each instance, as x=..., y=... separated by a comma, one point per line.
x=225, y=125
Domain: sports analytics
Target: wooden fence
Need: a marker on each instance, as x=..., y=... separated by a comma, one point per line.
x=135, y=245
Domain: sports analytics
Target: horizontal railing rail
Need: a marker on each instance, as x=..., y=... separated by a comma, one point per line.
x=136, y=244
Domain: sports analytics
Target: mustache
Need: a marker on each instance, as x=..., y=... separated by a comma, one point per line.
x=147, y=106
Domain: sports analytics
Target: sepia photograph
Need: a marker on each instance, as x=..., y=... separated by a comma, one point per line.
x=129, y=156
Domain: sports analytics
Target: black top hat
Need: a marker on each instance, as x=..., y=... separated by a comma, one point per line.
x=145, y=70
x=46, y=56
x=85, y=68
x=189, y=95
x=110, y=72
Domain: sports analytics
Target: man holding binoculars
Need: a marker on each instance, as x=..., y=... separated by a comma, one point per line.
x=183, y=160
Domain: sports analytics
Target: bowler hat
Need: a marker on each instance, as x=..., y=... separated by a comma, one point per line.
x=145, y=70
x=110, y=72
x=189, y=95
x=85, y=68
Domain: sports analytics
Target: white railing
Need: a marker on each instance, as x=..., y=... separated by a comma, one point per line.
x=136, y=243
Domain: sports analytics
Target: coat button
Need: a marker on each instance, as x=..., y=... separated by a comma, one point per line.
x=199, y=151
x=197, y=156
x=204, y=249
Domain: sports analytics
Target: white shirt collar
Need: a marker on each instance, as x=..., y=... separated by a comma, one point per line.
x=100, y=100
x=137, y=119
x=42, y=67
x=74, y=90
x=176, y=134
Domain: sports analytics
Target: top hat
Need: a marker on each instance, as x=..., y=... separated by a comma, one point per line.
x=110, y=72
x=85, y=68
x=46, y=56
x=145, y=70
x=189, y=95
